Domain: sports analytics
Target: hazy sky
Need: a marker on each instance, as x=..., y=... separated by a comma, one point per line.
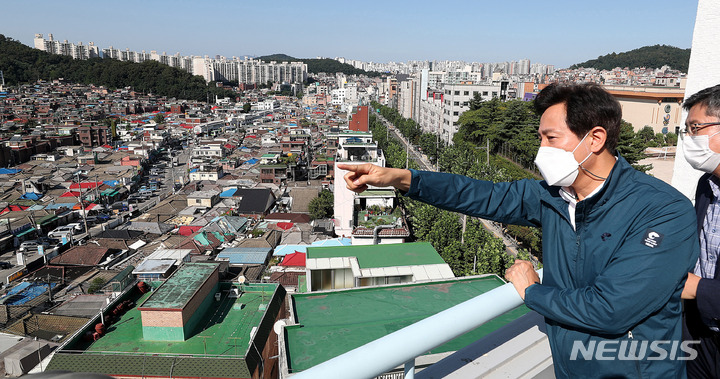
x=559, y=32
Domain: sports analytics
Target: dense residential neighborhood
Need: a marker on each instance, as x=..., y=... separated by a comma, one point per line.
x=151, y=236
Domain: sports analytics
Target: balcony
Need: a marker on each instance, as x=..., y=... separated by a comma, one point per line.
x=520, y=349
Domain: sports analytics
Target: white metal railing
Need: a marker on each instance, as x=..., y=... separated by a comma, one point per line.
x=404, y=345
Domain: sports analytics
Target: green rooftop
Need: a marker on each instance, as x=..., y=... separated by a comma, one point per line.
x=377, y=192
x=181, y=286
x=384, y=255
x=222, y=340
x=332, y=323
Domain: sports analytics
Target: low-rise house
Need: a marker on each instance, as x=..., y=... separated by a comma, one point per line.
x=372, y=265
x=203, y=199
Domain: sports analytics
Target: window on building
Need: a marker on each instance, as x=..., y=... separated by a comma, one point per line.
x=485, y=93
x=494, y=93
x=456, y=113
x=457, y=93
x=466, y=93
x=457, y=103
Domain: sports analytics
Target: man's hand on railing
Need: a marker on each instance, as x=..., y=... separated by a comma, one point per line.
x=522, y=275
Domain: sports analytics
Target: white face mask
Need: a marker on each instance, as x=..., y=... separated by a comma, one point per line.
x=557, y=166
x=698, y=153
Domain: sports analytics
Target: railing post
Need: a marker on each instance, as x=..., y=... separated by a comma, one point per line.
x=410, y=369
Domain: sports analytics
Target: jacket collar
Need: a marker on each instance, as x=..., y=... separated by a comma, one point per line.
x=620, y=170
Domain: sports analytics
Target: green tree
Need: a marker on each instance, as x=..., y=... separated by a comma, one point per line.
x=632, y=146
x=246, y=108
x=159, y=118
x=96, y=284
x=113, y=128
x=30, y=123
x=322, y=206
x=671, y=139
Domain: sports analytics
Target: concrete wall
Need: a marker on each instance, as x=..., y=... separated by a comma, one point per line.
x=702, y=73
x=642, y=112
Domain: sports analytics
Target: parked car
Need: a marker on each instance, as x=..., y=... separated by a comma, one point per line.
x=31, y=245
x=64, y=231
x=103, y=217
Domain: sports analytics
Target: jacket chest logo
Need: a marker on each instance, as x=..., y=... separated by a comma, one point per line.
x=652, y=238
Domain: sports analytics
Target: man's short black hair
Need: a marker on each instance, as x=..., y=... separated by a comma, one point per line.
x=709, y=97
x=587, y=106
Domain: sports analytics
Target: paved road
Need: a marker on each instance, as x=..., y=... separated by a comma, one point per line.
x=493, y=227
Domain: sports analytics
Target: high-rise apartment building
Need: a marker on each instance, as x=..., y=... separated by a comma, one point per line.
x=457, y=100
x=66, y=48
x=242, y=70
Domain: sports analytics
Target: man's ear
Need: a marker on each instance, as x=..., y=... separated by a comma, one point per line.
x=599, y=136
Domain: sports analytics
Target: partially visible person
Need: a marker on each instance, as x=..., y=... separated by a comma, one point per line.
x=617, y=243
x=701, y=145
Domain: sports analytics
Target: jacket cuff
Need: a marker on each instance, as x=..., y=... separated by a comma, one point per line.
x=414, y=184
x=529, y=294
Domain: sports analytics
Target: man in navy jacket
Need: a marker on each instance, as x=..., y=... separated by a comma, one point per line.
x=701, y=144
x=617, y=243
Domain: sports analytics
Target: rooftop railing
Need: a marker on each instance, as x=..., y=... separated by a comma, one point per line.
x=403, y=346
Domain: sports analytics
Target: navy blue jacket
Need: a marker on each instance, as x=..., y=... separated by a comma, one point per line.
x=616, y=278
x=707, y=299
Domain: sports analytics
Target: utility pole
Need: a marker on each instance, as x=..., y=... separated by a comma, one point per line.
x=82, y=206
x=97, y=190
x=407, y=154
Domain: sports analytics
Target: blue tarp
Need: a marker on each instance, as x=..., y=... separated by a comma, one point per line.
x=31, y=196
x=111, y=183
x=32, y=291
x=253, y=161
x=282, y=250
x=7, y=171
x=18, y=288
x=193, y=170
x=228, y=193
x=59, y=205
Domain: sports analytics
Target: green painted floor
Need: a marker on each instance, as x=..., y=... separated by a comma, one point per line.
x=333, y=323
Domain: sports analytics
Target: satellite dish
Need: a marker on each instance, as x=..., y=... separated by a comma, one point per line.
x=278, y=326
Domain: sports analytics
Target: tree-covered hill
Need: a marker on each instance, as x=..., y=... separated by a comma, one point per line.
x=647, y=56
x=320, y=65
x=22, y=64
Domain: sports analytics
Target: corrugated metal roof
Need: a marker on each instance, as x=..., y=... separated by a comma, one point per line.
x=178, y=255
x=154, y=266
x=251, y=256
x=384, y=255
